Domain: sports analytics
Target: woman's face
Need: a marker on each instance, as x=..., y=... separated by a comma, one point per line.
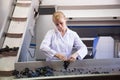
x=60, y=24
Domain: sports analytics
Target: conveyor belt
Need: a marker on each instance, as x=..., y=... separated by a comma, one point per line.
x=80, y=70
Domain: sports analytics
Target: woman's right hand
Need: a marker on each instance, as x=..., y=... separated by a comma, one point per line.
x=60, y=56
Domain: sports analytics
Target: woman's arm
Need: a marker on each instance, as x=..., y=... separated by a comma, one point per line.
x=46, y=49
x=45, y=45
x=81, y=48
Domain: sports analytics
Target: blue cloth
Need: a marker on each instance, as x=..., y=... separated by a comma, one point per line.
x=95, y=42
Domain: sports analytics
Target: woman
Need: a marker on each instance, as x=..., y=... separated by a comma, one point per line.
x=59, y=42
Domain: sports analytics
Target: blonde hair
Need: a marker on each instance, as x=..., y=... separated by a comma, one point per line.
x=58, y=15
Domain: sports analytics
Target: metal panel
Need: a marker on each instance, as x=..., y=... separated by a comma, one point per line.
x=84, y=69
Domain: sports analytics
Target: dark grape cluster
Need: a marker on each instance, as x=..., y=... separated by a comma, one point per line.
x=66, y=64
x=7, y=49
x=41, y=71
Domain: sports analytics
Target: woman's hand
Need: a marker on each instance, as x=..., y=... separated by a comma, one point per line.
x=73, y=57
x=60, y=56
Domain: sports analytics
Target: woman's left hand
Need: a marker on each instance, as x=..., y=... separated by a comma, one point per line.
x=71, y=59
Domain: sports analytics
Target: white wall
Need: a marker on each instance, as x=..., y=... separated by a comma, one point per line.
x=92, y=13
x=110, y=11
x=4, y=9
x=81, y=2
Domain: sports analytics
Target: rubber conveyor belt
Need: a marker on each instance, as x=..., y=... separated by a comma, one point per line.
x=87, y=69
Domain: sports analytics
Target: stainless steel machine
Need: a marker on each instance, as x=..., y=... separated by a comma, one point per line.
x=86, y=69
x=88, y=28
